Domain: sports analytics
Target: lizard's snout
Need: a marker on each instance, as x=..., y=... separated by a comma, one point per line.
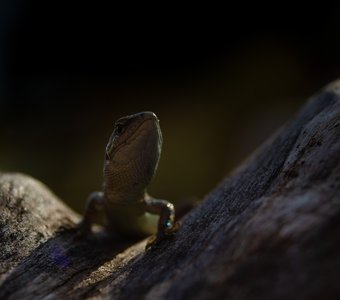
x=149, y=115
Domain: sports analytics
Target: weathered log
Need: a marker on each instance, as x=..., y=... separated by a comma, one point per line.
x=270, y=230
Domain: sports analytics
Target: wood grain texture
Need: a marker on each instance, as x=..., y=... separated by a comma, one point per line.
x=270, y=230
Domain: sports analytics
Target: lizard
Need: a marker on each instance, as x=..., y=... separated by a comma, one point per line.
x=131, y=159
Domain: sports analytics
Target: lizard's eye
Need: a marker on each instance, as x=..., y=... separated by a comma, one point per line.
x=119, y=128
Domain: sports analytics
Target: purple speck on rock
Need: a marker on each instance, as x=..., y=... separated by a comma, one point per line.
x=59, y=256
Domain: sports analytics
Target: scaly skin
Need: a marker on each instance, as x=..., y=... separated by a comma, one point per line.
x=131, y=160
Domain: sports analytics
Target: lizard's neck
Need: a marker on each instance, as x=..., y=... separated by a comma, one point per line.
x=123, y=188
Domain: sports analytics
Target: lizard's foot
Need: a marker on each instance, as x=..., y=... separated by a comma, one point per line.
x=171, y=229
x=168, y=232
x=83, y=229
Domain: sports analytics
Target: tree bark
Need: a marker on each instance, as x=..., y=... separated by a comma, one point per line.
x=270, y=230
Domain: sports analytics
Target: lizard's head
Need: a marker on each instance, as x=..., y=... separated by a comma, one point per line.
x=135, y=144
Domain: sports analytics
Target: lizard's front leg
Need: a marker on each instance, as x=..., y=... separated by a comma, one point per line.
x=166, y=211
x=94, y=206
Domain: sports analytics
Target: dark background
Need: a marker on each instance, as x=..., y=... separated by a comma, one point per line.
x=220, y=79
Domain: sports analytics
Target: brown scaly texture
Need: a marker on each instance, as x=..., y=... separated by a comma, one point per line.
x=268, y=231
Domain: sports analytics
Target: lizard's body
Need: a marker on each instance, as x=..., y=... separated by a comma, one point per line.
x=131, y=159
